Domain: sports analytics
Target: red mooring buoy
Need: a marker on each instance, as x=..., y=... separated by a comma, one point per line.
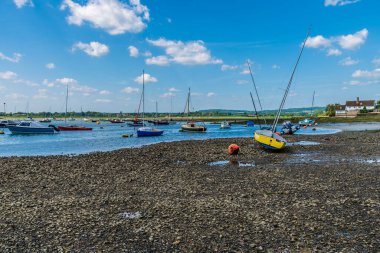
x=233, y=149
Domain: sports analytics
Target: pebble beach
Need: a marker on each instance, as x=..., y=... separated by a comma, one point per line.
x=169, y=197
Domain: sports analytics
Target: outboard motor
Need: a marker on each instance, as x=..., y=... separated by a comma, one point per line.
x=54, y=127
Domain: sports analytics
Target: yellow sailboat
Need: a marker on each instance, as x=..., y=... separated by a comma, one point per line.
x=268, y=138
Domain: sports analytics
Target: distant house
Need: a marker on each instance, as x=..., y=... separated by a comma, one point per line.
x=352, y=108
x=340, y=110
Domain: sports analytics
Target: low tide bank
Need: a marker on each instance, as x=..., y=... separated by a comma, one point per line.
x=166, y=197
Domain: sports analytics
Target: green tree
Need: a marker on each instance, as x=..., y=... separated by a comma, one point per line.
x=330, y=110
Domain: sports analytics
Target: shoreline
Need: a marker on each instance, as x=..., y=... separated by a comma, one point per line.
x=166, y=197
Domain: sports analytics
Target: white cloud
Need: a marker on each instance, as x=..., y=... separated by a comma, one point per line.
x=102, y=101
x=333, y=52
x=22, y=3
x=167, y=94
x=26, y=82
x=172, y=89
x=50, y=66
x=169, y=20
x=366, y=74
x=133, y=51
x=8, y=75
x=353, y=41
x=129, y=90
x=160, y=60
x=2, y=88
x=74, y=85
x=363, y=83
x=348, y=61
x=245, y=72
x=317, y=42
x=376, y=61
x=47, y=83
x=275, y=66
x=293, y=94
x=226, y=67
x=210, y=94
x=339, y=2
x=196, y=94
x=94, y=48
x=147, y=79
x=41, y=94
x=104, y=92
x=186, y=53
x=16, y=57
x=110, y=15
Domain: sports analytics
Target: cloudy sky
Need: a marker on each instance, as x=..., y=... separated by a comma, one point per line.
x=99, y=48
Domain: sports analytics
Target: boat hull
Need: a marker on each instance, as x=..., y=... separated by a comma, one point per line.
x=74, y=128
x=268, y=140
x=149, y=133
x=193, y=128
x=30, y=130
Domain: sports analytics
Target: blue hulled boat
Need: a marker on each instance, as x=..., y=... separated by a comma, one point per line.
x=148, y=131
x=30, y=127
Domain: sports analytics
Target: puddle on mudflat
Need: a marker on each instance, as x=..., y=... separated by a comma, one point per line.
x=130, y=215
x=179, y=162
x=232, y=163
x=303, y=143
x=371, y=161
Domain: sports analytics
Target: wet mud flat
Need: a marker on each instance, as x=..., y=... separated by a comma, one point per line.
x=168, y=198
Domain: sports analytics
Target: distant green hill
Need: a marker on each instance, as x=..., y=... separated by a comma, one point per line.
x=289, y=110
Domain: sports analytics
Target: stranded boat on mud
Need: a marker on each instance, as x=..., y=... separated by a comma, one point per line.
x=269, y=139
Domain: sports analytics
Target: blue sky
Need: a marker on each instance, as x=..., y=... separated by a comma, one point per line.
x=100, y=47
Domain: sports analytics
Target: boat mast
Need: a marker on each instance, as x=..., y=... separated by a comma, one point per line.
x=254, y=85
x=67, y=98
x=156, y=111
x=143, y=97
x=254, y=106
x=171, y=107
x=188, y=103
x=312, y=104
x=289, y=84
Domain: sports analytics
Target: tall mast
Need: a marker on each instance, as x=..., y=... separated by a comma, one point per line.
x=171, y=107
x=143, y=97
x=188, y=103
x=67, y=98
x=312, y=104
x=289, y=84
x=156, y=110
x=254, y=106
x=254, y=85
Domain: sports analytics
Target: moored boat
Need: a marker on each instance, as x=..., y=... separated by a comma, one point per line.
x=30, y=127
x=269, y=139
x=306, y=122
x=117, y=121
x=135, y=123
x=45, y=120
x=149, y=131
x=192, y=127
x=74, y=128
x=289, y=128
x=146, y=131
x=225, y=125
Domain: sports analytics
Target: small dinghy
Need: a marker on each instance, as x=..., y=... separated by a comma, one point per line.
x=74, y=128
x=192, y=127
x=225, y=125
x=289, y=128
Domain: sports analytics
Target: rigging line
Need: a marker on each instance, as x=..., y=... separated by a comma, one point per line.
x=254, y=85
x=254, y=106
x=289, y=84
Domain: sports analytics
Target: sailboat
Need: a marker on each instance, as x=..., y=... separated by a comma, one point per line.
x=71, y=127
x=269, y=139
x=136, y=122
x=156, y=121
x=191, y=126
x=147, y=131
x=309, y=122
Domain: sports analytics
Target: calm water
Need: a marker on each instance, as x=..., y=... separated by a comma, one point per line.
x=109, y=138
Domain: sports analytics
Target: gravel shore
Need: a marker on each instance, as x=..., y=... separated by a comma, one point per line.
x=167, y=198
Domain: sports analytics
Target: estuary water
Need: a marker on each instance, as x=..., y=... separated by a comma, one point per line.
x=107, y=136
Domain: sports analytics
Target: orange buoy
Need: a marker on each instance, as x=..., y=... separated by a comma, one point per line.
x=304, y=126
x=233, y=149
x=278, y=133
